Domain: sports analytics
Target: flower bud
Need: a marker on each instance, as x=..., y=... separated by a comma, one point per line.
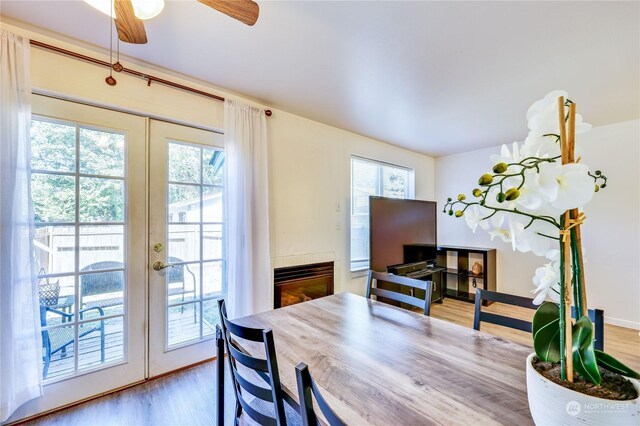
x=461, y=197
x=500, y=168
x=459, y=213
x=500, y=197
x=482, y=202
x=485, y=179
x=449, y=200
x=597, y=188
x=450, y=212
x=477, y=193
x=512, y=194
x=598, y=172
x=604, y=185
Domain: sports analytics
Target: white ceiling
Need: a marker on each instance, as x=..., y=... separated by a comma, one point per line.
x=434, y=77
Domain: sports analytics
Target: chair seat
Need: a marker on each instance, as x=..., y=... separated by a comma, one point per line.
x=267, y=408
x=103, y=303
x=64, y=336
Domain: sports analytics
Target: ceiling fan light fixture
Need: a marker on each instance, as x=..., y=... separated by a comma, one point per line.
x=147, y=9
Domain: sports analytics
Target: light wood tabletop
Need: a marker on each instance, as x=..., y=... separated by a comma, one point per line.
x=382, y=365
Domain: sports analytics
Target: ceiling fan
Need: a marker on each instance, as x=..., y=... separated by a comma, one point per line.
x=129, y=14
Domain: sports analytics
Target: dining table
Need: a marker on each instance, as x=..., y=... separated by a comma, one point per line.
x=379, y=364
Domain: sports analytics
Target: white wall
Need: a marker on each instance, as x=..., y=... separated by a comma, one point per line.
x=309, y=161
x=611, y=234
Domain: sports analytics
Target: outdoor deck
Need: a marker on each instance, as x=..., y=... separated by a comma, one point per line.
x=181, y=328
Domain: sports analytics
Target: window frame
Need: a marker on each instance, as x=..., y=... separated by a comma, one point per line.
x=363, y=264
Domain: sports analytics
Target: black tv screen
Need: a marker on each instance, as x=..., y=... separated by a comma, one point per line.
x=395, y=223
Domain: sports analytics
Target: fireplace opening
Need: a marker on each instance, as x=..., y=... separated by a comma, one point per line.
x=296, y=284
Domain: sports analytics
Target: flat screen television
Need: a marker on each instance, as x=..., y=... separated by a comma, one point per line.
x=395, y=224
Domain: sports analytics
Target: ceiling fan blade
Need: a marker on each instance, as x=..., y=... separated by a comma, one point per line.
x=130, y=29
x=245, y=11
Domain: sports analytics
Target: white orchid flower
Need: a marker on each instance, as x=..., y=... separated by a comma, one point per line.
x=546, y=280
x=533, y=238
x=531, y=198
x=540, y=146
x=566, y=186
x=475, y=215
x=508, y=156
x=509, y=228
x=553, y=255
x=542, y=116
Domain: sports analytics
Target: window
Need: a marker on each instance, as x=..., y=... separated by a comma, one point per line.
x=195, y=242
x=368, y=178
x=78, y=185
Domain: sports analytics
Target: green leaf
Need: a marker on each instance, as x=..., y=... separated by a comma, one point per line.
x=610, y=363
x=546, y=342
x=546, y=313
x=546, y=332
x=584, y=358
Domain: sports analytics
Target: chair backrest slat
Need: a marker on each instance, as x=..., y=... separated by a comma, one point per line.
x=506, y=321
x=101, y=282
x=307, y=390
x=267, y=369
x=397, y=296
x=255, y=390
x=246, y=360
x=256, y=415
x=596, y=315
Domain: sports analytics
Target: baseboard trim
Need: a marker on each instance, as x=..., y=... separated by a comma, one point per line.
x=622, y=323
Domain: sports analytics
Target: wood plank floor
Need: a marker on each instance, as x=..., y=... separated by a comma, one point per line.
x=188, y=397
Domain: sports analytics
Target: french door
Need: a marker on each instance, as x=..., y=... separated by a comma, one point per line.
x=88, y=173
x=129, y=241
x=186, y=244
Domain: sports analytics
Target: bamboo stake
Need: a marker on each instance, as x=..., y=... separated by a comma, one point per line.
x=582, y=302
x=583, y=292
x=566, y=296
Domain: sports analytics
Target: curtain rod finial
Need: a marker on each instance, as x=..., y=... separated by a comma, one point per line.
x=268, y=112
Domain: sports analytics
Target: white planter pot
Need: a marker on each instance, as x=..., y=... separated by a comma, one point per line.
x=552, y=404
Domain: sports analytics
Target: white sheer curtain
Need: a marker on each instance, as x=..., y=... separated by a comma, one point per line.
x=247, y=208
x=20, y=340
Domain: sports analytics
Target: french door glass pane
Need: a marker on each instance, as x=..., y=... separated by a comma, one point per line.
x=82, y=284
x=54, y=197
x=184, y=203
x=101, y=246
x=195, y=233
x=101, y=153
x=53, y=146
x=55, y=249
x=101, y=200
x=184, y=163
x=184, y=242
x=93, y=348
x=184, y=323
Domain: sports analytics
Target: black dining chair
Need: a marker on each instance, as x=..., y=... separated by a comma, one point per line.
x=307, y=391
x=411, y=283
x=595, y=315
x=256, y=381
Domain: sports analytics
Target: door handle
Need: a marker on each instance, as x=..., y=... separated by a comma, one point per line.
x=159, y=265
